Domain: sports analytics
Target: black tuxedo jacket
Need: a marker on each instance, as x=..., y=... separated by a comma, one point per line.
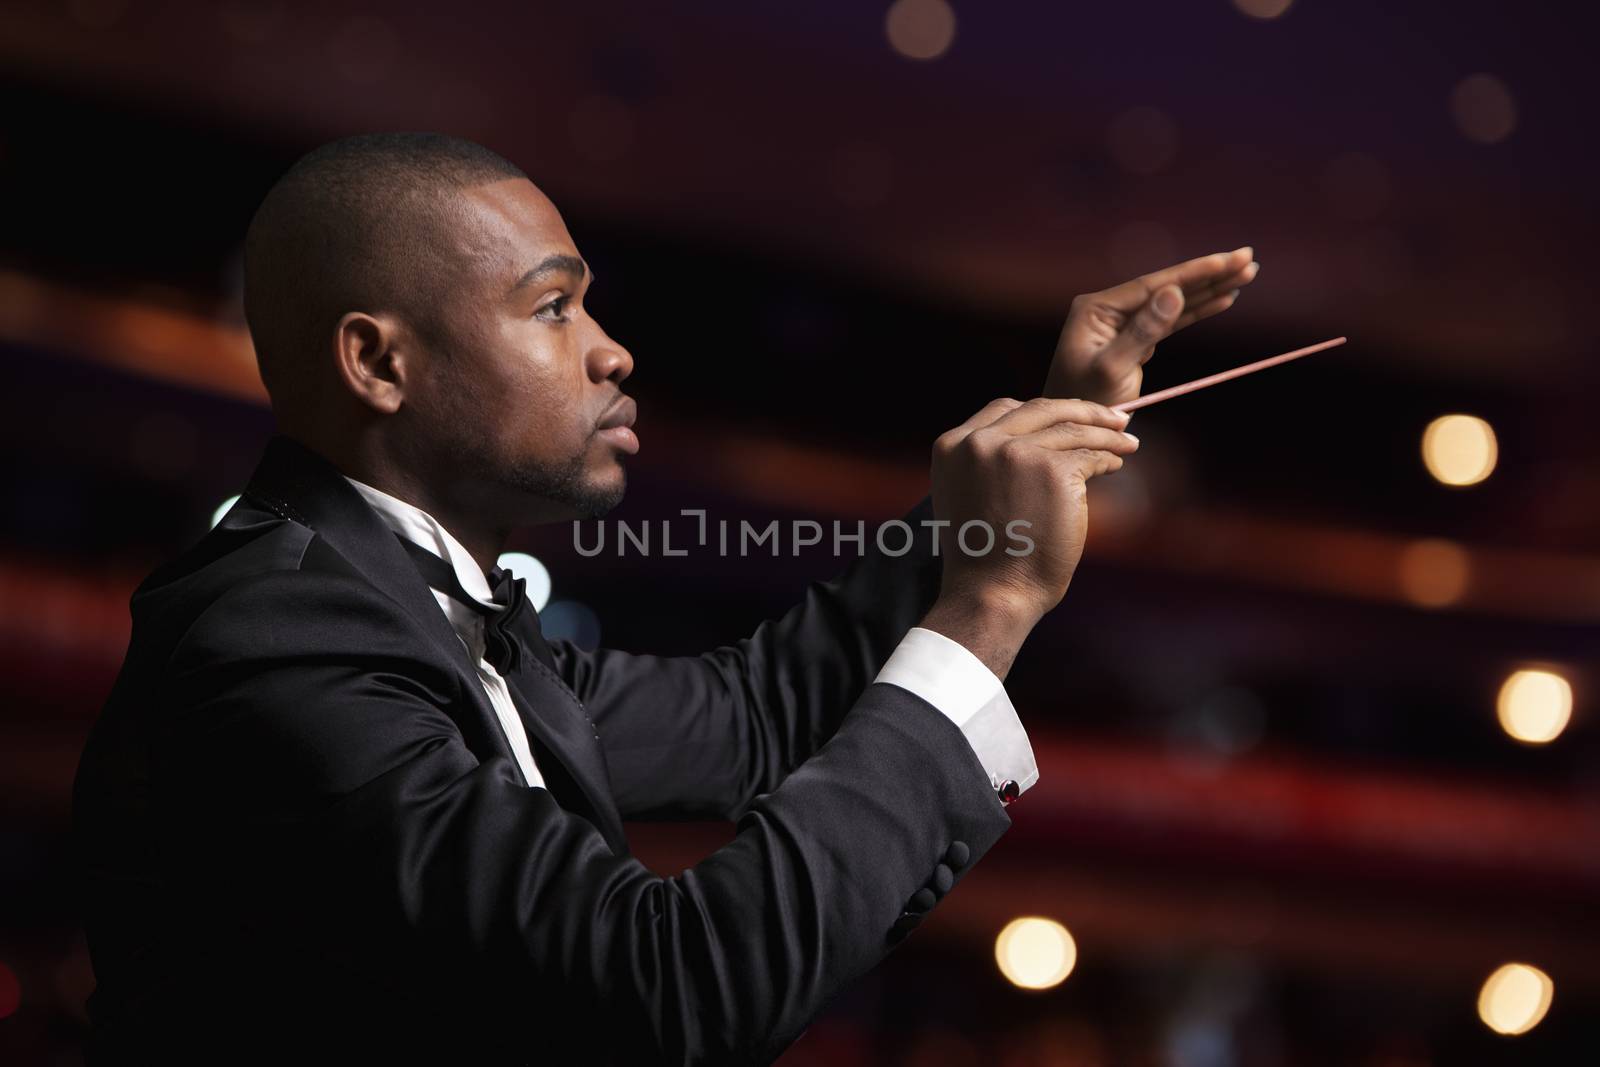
x=304, y=835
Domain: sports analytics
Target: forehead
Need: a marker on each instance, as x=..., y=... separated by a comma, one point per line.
x=509, y=226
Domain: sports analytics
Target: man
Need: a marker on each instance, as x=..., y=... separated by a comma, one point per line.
x=346, y=801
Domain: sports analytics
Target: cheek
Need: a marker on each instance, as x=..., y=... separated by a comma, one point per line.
x=540, y=407
x=474, y=393
x=469, y=401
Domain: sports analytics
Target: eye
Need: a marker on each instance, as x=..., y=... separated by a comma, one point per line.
x=555, y=310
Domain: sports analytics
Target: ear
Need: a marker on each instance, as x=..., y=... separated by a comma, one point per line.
x=368, y=361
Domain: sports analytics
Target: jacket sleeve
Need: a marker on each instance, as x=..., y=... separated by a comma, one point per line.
x=309, y=747
x=747, y=714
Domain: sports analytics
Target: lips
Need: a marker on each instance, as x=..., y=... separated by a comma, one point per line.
x=616, y=426
x=622, y=413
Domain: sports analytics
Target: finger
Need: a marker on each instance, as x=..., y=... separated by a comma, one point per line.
x=1206, y=309
x=1066, y=436
x=1202, y=270
x=1091, y=463
x=1157, y=318
x=1208, y=301
x=1238, y=280
x=985, y=416
x=1041, y=412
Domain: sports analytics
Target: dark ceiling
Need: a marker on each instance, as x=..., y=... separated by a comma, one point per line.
x=1052, y=148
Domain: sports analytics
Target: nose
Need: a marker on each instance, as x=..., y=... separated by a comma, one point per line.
x=607, y=359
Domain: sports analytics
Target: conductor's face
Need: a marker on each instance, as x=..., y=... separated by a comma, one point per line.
x=521, y=385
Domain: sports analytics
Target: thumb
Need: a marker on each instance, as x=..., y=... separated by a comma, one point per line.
x=1154, y=320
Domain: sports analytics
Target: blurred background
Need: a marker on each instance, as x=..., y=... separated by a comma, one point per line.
x=1316, y=721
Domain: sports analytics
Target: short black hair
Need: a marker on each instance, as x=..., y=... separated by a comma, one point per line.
x=351, y=226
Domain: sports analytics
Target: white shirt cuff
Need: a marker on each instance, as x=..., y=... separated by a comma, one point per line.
x=948, y=676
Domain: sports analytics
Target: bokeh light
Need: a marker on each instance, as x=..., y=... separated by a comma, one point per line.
x=921, y=29
x=1263, y=9
x=1035, y=953
x=1483, y=109
x=1514, y=998
x=531, y=571
x=1535, y=706
x=1433, y=572
x=1459, y=449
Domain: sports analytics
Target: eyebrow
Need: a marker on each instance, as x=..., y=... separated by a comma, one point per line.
x=556, y=264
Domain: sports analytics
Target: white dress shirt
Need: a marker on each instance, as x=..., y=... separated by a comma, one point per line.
x=419, y=527
x=948, y=676
x=928, y=664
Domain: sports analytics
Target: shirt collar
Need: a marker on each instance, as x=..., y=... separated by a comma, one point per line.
x=416, y=525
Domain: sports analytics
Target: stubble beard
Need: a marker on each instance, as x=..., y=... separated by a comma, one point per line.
x=562, y=483
x=565, y=484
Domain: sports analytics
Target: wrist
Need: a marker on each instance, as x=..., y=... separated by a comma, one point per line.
x=989, y=624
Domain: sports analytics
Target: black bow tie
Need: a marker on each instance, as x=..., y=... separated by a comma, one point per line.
x=505, y=628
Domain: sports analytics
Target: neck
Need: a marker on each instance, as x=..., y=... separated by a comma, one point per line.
x=483, y=538
x=484, y=541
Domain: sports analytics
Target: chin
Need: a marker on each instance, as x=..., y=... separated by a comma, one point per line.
x=595, y=499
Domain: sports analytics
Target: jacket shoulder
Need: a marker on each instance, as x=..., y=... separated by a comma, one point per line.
x=256, y=564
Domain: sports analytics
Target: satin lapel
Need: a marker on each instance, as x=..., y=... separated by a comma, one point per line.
x=302, y=485
x=552, y=713
x=299, y=484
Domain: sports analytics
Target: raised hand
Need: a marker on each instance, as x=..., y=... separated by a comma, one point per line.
x=1110, y=334
x=1019, y=468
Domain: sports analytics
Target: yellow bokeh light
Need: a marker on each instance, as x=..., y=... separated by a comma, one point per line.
x=1434, y=573
x=1035, y=953
x=1459, y=449
x=1535, y=706
x=1514, y=998
x=920, y=29
x=1263, y=9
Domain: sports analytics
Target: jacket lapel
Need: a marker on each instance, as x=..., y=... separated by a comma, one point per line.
x=565, y=730
x=300, y=484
